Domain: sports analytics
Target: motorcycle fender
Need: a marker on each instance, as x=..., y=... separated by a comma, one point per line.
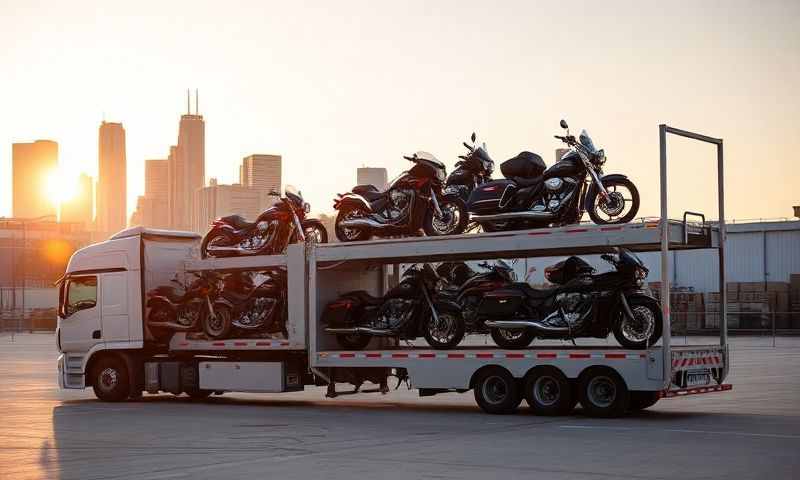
x=353, y=199
x=631, y=293
x=592, y=191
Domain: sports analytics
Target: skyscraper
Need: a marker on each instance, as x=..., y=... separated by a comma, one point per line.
x=215, y=201
x=372, y=176
x=78, y=209
x=262, y=172
x=31, y=165
x=112, y=179
x=155, y=202
x=187, y=168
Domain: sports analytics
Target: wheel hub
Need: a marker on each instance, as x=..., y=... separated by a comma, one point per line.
x=546, y=390
x=602, y=392
x=614, y=205
x=640, y=328
x=495, y=390
x=108, y=379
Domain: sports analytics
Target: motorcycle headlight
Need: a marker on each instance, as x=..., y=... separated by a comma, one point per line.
x=441, y=175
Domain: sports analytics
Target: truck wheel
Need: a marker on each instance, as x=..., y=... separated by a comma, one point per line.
x=641, y=400
x=353, y=341
x=497, y=391
x=110, y=379
x=512, y=339
x=603, y=393
x=548, y=392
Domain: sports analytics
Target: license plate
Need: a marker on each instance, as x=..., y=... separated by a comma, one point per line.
x=699, y=376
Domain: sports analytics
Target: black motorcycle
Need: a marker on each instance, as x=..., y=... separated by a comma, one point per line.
x=414, y=200
x=181, y=308
x=581, y=304
x=475, y=168
x=249, y=301
x=534, y=196
x=280, y=225
x=407, y=311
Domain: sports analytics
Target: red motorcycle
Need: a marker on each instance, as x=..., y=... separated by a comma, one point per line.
x=276, y=228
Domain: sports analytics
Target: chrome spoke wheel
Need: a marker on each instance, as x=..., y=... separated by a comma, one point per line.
x=640, y=328
x=442, y=330
x=109, y=378
x=448, y=221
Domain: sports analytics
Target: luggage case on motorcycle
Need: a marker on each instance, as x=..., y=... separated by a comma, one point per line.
x=526, y=164
x=340, y=313
x=491, y=197
x=566, y=270
x=504, y=302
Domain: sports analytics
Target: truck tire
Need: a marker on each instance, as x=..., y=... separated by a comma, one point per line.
x=641, y=400
x=548, y=391
x=110, y=379
x=496, y=391
x=603, y=393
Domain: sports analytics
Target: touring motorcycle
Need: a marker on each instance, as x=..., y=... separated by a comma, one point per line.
x=475, y=168
x=407, y=311
x=282, y=224
x=179, y=308
x=249, y=301
x=412, y=201
x=581, y=304
x=533, y=195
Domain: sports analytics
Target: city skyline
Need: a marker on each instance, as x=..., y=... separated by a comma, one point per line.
x=723, y=77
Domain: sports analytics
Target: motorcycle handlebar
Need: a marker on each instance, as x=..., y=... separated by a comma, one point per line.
x=467, y=145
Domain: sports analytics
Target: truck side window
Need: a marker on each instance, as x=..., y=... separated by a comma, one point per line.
x=81, y=294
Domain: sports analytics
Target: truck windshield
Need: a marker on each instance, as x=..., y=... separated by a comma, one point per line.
x=81, y=293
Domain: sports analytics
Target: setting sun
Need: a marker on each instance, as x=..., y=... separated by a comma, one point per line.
x=60, y=186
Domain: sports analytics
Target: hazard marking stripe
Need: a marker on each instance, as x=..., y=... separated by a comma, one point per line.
x=577, y=230
x=694, y=391
x=546, y=355
x=580, y=355
x=515, y=355
x=483, y=355
x=218, y=344
x=609, y=229
x=455, y=355
x=240, y=344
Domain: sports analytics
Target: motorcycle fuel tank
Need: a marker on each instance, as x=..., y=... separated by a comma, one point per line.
x=567, y=167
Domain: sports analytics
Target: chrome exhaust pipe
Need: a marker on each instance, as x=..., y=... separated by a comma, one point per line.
x=237, y=250
x=172, y=326
x=511, y=324
x=363, y=223
x=514, y=216
x=369, y=331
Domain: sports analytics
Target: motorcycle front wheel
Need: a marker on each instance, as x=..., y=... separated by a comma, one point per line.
x=453, y=221
x=641, y=331
x=219, y=325
x=621, y=206
x=445, y=333
x=315, y=231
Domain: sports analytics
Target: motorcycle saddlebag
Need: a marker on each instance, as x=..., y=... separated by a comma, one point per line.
x=501, y=303
x=566, y=270
x=526, y=164
x=491, y=197
x=340, y=313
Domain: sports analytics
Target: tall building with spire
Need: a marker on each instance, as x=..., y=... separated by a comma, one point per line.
x=187, y=167
x=111, y=179
x=31, y=165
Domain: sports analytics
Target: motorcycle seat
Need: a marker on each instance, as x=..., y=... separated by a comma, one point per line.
x=535, y=293
x=364, y=297
x=237, y=221
x=370, y=192
x=523, y=182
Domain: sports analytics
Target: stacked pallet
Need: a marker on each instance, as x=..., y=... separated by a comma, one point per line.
x=686, y=307
x=712, y=309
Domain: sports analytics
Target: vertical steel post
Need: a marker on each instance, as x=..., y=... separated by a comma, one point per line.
x=723, y=237
x=773, y=329
x=666, y=330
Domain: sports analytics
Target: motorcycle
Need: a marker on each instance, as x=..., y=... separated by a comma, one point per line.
x=181, y=309
x=475, y=168
x=581, y=304
x=280, y=225
x=407, y=311
x=534, y=196
x=249, y=301
x=412, y=201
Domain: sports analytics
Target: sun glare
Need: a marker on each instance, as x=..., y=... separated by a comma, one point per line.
x=60, y=186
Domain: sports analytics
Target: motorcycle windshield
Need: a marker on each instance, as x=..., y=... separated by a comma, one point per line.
x=294, y=195
x=586, y=141
x=626, y=256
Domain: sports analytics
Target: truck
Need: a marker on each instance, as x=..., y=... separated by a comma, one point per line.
x=105, y=343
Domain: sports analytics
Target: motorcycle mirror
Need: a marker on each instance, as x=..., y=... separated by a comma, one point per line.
x=473, y=137
x=563, y=124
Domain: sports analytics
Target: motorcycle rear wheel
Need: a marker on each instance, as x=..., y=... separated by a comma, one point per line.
x=350, y=234
x=512, y=339
x=353, y=341
x=212, y=237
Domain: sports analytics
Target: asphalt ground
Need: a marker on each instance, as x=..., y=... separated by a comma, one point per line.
x=750, y=432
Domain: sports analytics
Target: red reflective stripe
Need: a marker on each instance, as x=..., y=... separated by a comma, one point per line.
x=285, y=344
x=546, y=355
x=580, y=355
x=608, y=229
x=615, y=355
x=399, y=355
x=347, y=355
x=218, y=344
x=373, y=355
x=484, y=355
x=184, y=344
x=263, y=344
x=515, y=355
x=642, y=355
x=427, y=355
x=455, y=355
x=577, y=230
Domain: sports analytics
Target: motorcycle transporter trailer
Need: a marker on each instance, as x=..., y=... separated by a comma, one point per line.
x=104, y=342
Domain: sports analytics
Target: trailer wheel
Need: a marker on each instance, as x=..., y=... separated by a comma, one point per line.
x=641, y=400
x=496, y=391
x=549, y=392
x=110, y=379
x=603, y=392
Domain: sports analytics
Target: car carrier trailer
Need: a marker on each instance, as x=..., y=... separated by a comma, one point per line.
x=105, y=343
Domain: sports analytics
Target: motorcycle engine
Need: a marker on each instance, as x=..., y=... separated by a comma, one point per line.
x=394, y=313
x=556, y=192
x=399, y=201
x=574, y=305
x=260, y=310
x=263, y=233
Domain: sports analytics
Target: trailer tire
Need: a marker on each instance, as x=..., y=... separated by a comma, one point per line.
x=603, y=393
x=641, y=400
x=110, y=379
x=496, y=391
x=548, y=391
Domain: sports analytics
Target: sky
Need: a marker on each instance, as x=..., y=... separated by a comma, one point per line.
x=332, y=86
